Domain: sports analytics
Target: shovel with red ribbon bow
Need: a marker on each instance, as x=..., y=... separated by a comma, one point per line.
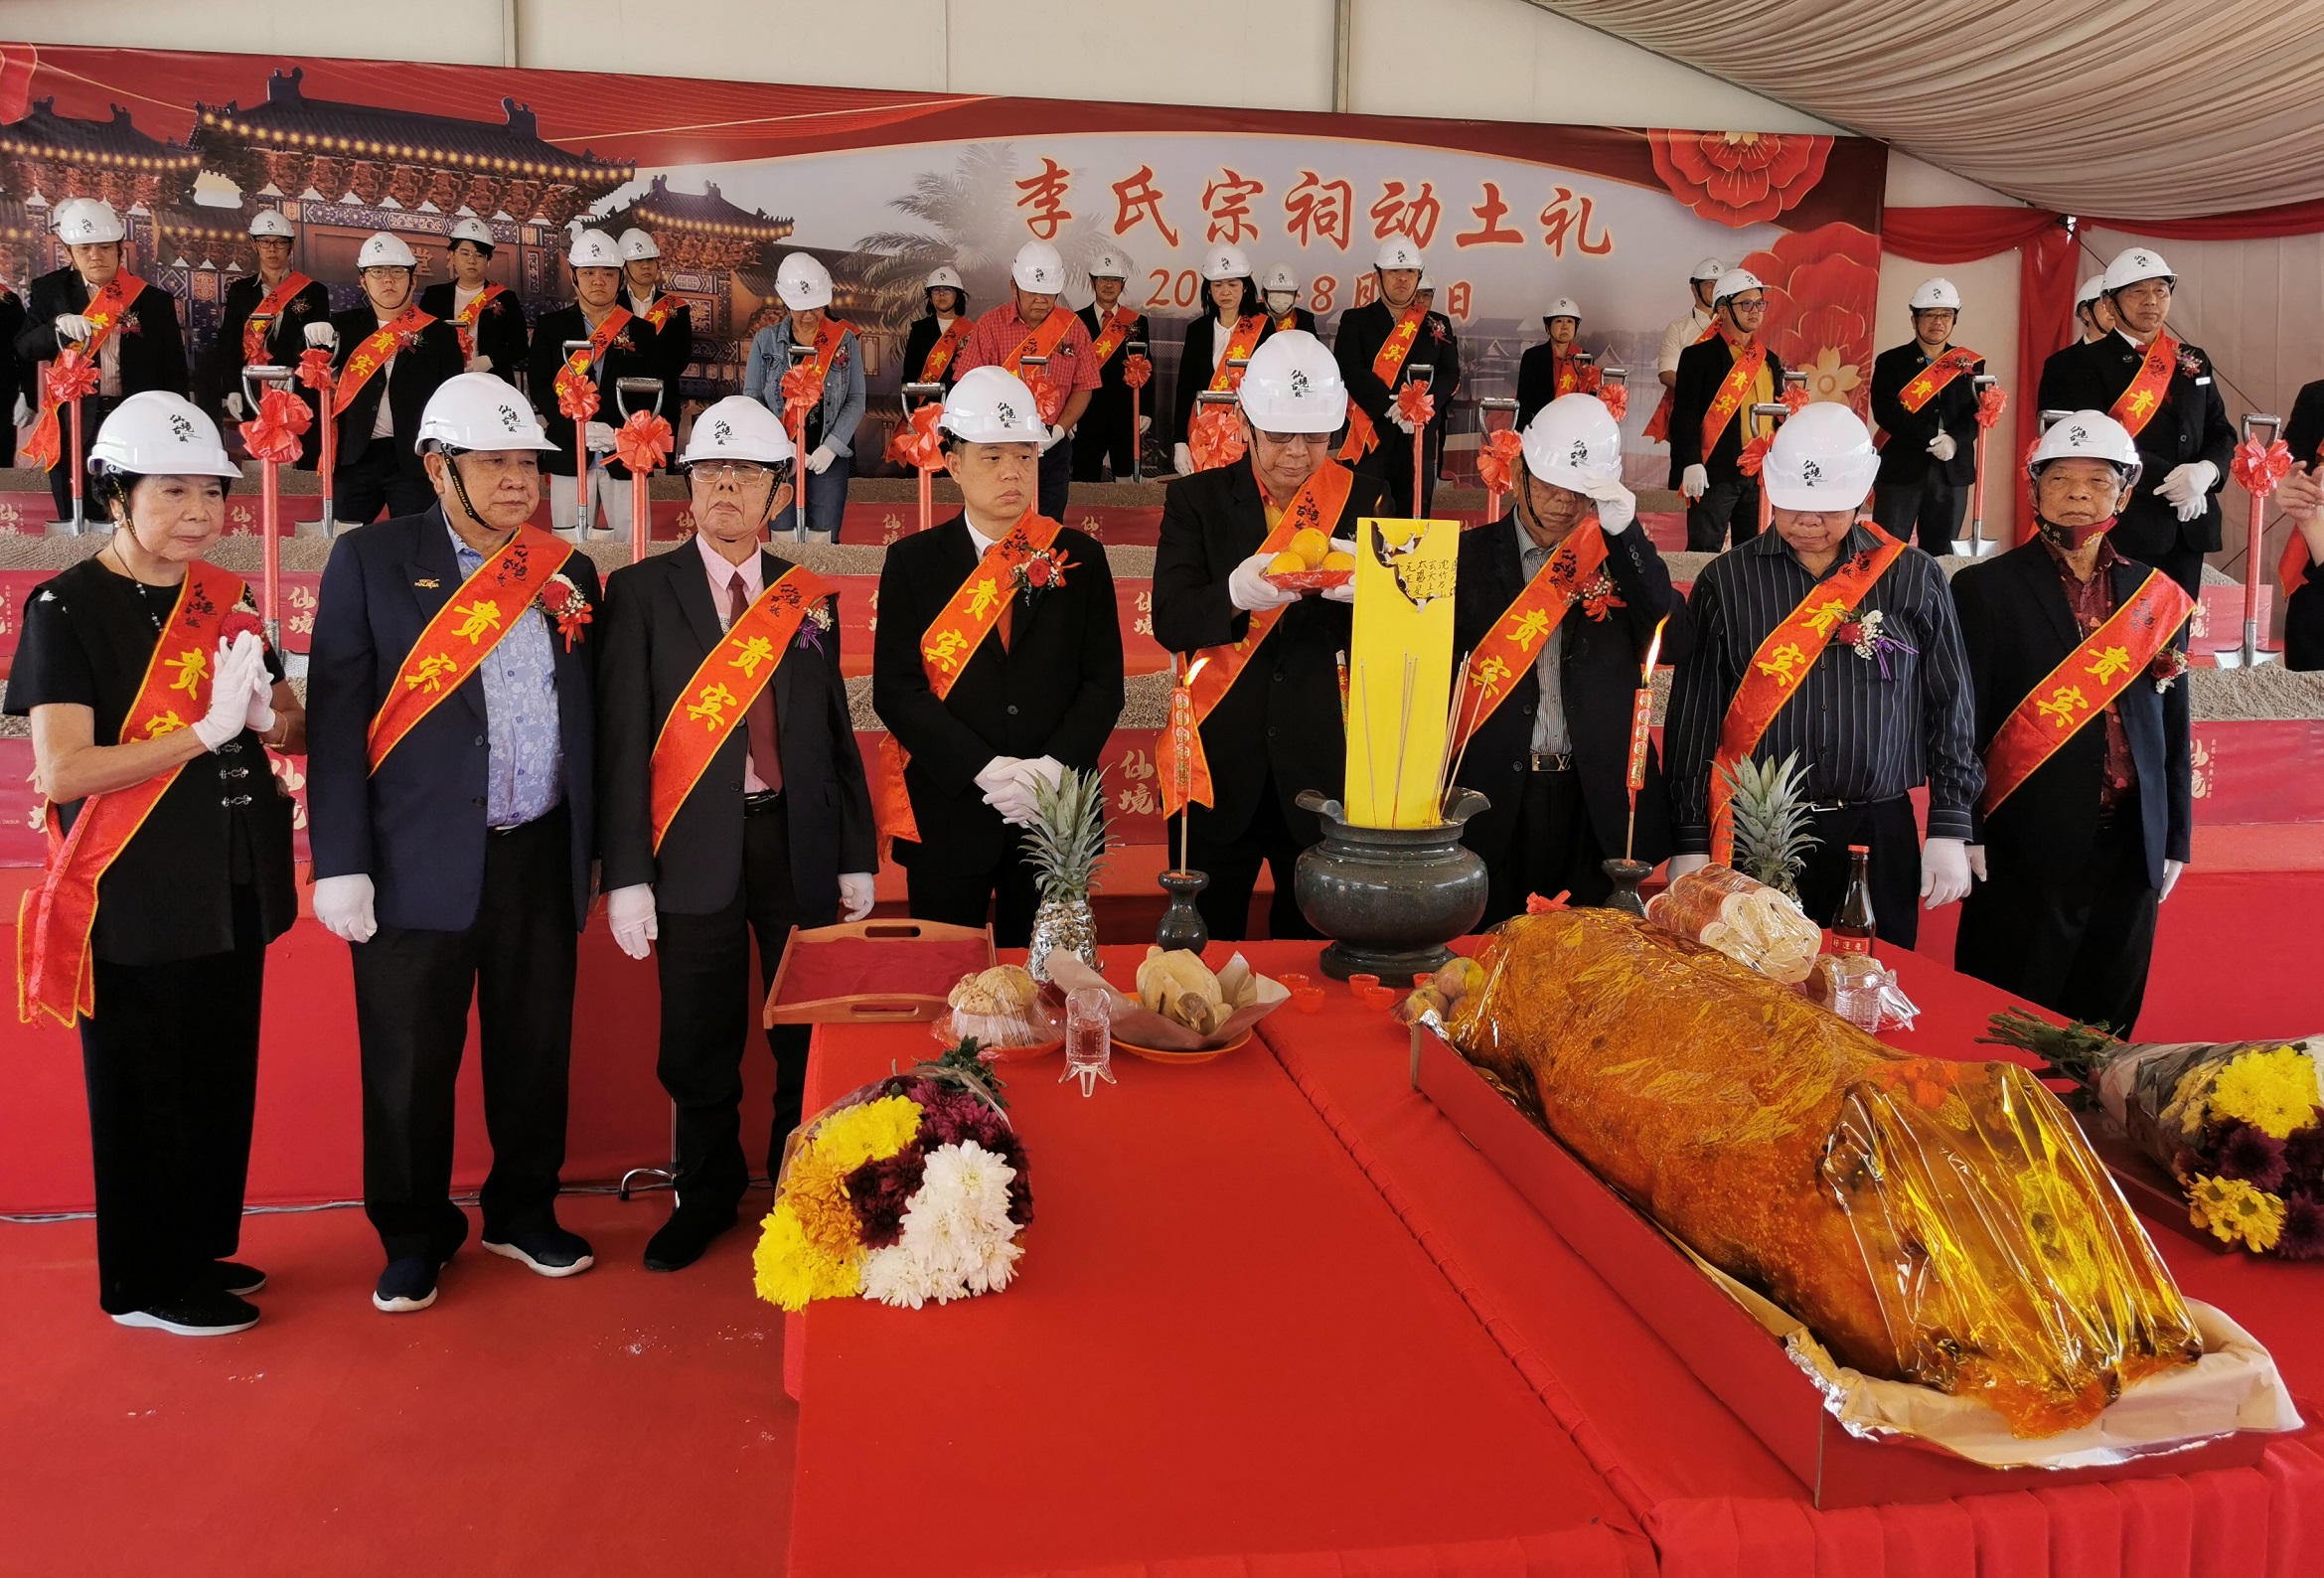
x=1418, y=409
x=278, y=420
x=642, y=442
x=314, y=372
x=2257, y=467
x=1991, y=400
x=1497, y=455
x=918, y=444
x=66, y=380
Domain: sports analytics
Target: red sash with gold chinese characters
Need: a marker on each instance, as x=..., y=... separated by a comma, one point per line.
x=55, y=919
x=1510, y=649
x=464, y=322
x=2094, y=675
x=1952, y=365
x=474, y=620
x=2135, y=406
x=104, y=317
x=1658, y=424
x=1781, y=662
x=1042, y=342
x=378, y=349
x=951, y=639
x=946, y=346
x=1734, y=391
x=664, y=307
x=1239, y=346
x=1112, y=335
x=1362, y=436
x=262, y=316
x=724, y=686
x=577, y=366
x=1316, y=504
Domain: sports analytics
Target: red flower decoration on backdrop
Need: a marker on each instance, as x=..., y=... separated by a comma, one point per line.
x=1822, y=285
x=1739, y=177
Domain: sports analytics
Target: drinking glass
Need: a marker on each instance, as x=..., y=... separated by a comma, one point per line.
x=1089, y=1041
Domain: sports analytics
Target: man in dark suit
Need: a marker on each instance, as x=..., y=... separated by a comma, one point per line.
x=1106, y=429
x=1357, y=344
x=454, y=646
x=2075, y=854
x=776, y=828
x=629, y=347
x=997, y=665
x=665, y=317
x=137, y=348
x=2180, y=424
x=385, y=388
x=1925, y=400
x=486, y=318
x=1719, y=495
x=292, y=301
x=1278, y=293
x=1549, y=729
x=1275, y=730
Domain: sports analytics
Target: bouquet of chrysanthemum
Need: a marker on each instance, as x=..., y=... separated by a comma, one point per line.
x=2238, y=1124
x=910, y=1188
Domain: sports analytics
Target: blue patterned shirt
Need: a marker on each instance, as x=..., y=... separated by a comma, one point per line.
x=525, y=775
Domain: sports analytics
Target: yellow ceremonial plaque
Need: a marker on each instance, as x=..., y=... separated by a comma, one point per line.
x=1400, y=672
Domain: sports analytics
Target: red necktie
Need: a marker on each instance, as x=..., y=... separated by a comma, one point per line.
x=765, y=758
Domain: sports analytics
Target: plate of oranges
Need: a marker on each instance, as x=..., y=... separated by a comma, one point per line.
x=1310, y=563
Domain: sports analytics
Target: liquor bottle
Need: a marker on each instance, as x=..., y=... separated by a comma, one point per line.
x=1852, y=927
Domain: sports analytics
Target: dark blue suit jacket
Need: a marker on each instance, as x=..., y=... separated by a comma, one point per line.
x=418, y=827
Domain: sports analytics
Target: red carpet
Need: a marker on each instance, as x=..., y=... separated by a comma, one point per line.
x=615, y=1422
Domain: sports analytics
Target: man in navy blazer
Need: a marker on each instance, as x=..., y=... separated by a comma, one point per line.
x=459, y=867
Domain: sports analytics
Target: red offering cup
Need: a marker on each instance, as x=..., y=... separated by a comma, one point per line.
x=1308, y=998
x=1291, y=980
x=1360, y=984
x=1380, y=997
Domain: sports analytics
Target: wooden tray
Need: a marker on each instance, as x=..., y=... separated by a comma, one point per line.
x=826, y=971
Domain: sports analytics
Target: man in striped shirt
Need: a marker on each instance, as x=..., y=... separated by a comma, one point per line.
x=1827, y=639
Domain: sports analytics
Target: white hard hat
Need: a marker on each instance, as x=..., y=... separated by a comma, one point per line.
x=2091, y=289
x=992, y=405
x=384, y=249
x=1280, y=278
x=1708, y=269
x=1821, y=459
x=1734, y=283
x=160, y=435
x=737, y=428
x=1038, y=268
x=637, y=246
x=1225, y=263
x=1564, y=307
x=1936, y=295
x=269, y=221
x=2135, y=265
x=1293, y=386
x=479, y=411
x=2093, y=435
x=594, y=249
x=802, y=282
x=85, y=222
x=471, y=229
x=1427, y=286
x=945, y=278
x=1109, y=264
x=1397, y=252
x=1574, y=442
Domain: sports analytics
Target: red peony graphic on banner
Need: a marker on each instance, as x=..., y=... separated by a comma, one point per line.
x=1822, y=288
x=1738, y=177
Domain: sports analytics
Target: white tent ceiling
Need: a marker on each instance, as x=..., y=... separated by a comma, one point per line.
x=2128, y=108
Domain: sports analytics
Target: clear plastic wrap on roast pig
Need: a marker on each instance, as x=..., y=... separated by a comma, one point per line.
x=1747, y=920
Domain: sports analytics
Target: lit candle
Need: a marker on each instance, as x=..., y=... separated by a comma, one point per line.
x=1642, y=727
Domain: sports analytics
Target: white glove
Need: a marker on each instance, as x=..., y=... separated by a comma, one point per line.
x=237, y=670
x=233, y=407
x=1944, y=873
x=2188, y=488
x=999, y=770
x=480, y=363
x=2171, y=870
x=343, y=905
x=1181, y=460
x=820, y=460
x=1015, y=802
x=323, y=336
x=1682, y=865
x=599, y=438
x=1249, y=589
x=1396, y=415
x=1145, y=426
x=23, y=411
x=1694, y=482
x=1346, y=593
x=631, y=910
x=1976, y=855
x=1052, y=436
x=73, y=325
x=1040, y=771
x=1618, y=506
x=260, y=717
x=1943, y=446
x=856, y=896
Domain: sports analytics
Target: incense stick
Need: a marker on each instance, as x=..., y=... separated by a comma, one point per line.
x=1460, y=690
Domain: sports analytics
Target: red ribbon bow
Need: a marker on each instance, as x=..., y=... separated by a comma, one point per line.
x=1048, y=399
x=314, y=369
x=1615, y=397
x=1414, y=405
x=577, y=399
x=916, y=443
x=1588, y=379
x=274, y=432
x=1793, y=395
x=1753, y=456
x=1495, y=456
x=802, y=387
x=1136, y=371
x=1213, y=438
x=71, y=376
x=1990, y=405
x=644, y=441
x=2260, y=470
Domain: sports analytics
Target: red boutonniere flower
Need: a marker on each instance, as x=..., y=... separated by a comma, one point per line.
x=565, y=607
x=129, y=324
x=241, y=619
x=2166, y=667
x=2190, y=364
x=1044, y=570
x=1599, y=598
x=622, y=341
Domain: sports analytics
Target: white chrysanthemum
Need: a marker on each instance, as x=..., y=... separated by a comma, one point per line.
x=956, y=1239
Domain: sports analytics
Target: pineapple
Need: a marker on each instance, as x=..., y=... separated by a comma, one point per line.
x=1067, y=845
x=1771, y=813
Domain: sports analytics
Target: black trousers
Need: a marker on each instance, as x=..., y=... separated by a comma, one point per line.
x=171, y=1060
x=1731, y=504
x=361, y=485
x=413, y=988
x=2076, y=943
x=1233, y=865
x=1056, y=478
x=2303, y=625
x=708, y=1009
x=1006, y=893
x=1391, y=462
x=94, y=408
x=1932, y=504
x=1553, y=849
x=1106, y=431
x=1887, y=827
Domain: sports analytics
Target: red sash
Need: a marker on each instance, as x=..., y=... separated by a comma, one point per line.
x=1042, y=342
x=1952, y=365
x=378, y=349
x=2095, y=673
x=811, y=374
x=1316, y=504
x=946, y=346
x=1776, y=668
x=1362, y=436
x=474, y=620
x=1111, y=334
x=1239, y=346
x=2291, y=571
x=664, y=307
x=1734, y=392
x=1509, y=650
x=1288, y=322
x=577, y=366
x=2135, y=406
x=267, y=310
x=103, y=313
x=1658, y=424
x=54, y=921
x=464, y=322
x=724, y=684
x=952, y=638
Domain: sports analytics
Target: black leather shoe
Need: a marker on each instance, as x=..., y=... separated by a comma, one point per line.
x=683, y=1237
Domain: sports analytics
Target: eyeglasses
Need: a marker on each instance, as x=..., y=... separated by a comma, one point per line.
x=1313, y=441
x=737, y=470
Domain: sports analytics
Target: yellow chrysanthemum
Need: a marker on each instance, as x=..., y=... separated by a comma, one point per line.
x=816, y=1194
x=870, y=1132
x=2234, y=1212
x=791, y=1271
x=2273, y=1091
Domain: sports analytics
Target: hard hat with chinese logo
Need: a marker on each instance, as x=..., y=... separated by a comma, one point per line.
x=2135, y=265
x=1038, y=269
x=1708, y=269
x=1293, y=386
x=384, y=249
x=1225, y=263
x=89, y=222
x=594, y=249
x=479, y=411
x=1936, y=295
x=1821, y=459
x=1734, y=283
x=1280, y=278
x=945, y=278
x=992, y=405
x=159, y=435
x=1562, y=307
x=1109, y=264
x=737, y=428
x=269, y=224
x=473, y=230
x=2091, y=436
x=802, y=282
x=637, y=246
x=1573, y=442
x=1397, y=252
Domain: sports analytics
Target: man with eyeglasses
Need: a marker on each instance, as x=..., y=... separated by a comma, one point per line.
x=1720, y=378
x=1266, y=697
x=734, y=801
